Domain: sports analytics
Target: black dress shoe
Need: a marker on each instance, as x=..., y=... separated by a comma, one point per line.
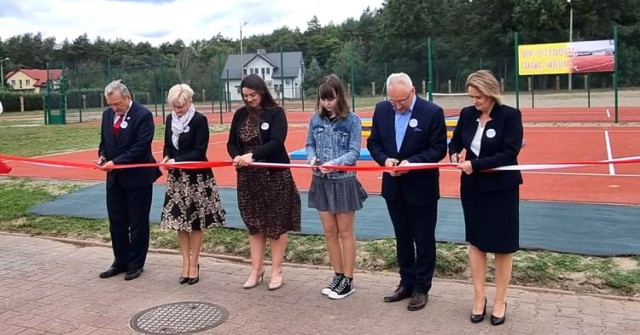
x=196, y=279
x=400, y=293
x=133, y=274
x=418, y=301
x=496, y=321
x=112, y=271
x=477, y=318
x=183, y=280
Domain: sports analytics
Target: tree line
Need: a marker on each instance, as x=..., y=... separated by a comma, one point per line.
x=466, y=35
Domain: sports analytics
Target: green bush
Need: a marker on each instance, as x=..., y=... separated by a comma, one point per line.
x=11, y=101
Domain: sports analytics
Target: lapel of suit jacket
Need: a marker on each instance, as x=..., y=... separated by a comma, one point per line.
x=108, y=128
x=391, y=122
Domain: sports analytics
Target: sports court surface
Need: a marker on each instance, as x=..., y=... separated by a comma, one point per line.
x=584, y=210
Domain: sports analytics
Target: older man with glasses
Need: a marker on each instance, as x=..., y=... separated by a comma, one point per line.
x=408, y=129
x=125, y=138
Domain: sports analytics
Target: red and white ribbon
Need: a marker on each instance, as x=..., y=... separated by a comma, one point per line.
x=5, y=168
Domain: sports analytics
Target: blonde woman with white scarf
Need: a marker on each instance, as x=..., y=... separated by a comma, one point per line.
x=192, y=202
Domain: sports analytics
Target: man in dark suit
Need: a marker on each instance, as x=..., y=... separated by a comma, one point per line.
x=125, y=138
x=407, y=129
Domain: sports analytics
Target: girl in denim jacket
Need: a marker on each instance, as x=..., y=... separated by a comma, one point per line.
x=334, y=139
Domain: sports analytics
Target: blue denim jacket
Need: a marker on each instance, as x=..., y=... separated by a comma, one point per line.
x=337, y=142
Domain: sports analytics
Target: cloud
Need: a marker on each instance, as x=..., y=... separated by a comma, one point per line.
x=11, y=9
x=155, y=34
x=159, y=21
x=145, y=1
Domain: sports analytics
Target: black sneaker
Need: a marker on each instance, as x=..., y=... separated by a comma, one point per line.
x=344, y=289
x=334, y=283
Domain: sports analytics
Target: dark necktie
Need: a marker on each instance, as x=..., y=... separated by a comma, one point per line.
x=116, y=126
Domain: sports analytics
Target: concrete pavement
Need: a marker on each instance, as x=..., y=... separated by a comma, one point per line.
x=51, y=287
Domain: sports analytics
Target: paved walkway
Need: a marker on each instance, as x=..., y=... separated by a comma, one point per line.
x=50, y=287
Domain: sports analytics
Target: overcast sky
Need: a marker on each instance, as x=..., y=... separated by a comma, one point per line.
x=158, y=21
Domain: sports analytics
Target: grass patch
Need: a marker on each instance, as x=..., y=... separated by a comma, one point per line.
x=583, y=274
x=626, y=281
x=16, y=198
x=377, y=254
x=306, y=249
x=41, y=140
x=10, y=123
x=452, y=261
x=60, y=227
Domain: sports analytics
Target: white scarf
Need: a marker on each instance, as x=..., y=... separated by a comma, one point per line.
x=179, y=124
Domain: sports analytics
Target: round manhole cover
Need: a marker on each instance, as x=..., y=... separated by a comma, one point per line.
x=179, y=318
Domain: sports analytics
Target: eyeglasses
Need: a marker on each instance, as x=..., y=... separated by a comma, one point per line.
x=400, y=102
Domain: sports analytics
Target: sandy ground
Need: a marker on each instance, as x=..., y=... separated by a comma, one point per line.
x=577, y=98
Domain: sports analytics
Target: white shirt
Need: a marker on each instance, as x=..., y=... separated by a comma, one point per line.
x=477, y=139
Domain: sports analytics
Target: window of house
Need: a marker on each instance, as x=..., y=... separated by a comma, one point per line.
x=268, y=70
x=20, y=82
x=244, y=71
x=238, y=88
x=13, y=82
x=28, y=82
x=263, y=71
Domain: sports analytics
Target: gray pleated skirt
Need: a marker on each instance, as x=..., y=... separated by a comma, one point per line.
x=336, y=195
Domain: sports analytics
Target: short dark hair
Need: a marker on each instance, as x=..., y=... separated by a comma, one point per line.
x=331, y=87
x=255, y=82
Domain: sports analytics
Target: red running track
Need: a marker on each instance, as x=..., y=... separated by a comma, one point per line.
x=594, y=184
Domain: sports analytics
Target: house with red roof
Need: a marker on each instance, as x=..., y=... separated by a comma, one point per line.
x=33, y=80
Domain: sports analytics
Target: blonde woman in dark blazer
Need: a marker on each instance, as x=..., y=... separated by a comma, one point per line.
x=489, y=135
x=192, y=202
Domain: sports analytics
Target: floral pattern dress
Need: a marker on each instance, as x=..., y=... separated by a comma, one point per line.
x=192, y=201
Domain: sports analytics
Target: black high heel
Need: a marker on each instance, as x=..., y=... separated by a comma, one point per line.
x=183, y=280
x=477, y=318
x=196, y=279
x=496, y=321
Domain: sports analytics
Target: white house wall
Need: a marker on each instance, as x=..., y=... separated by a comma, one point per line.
x=291, y=86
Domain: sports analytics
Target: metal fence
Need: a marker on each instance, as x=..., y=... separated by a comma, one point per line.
x=437, y=69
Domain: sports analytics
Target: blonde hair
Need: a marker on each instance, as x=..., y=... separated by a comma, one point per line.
x=179, y=95
x=485, y=82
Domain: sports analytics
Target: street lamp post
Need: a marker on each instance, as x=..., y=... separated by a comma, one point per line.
x=570, y=38
x=242, y=24
x=2, y=70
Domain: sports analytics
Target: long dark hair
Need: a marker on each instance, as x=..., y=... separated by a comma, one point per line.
x=331, y=87
x=254, y=82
